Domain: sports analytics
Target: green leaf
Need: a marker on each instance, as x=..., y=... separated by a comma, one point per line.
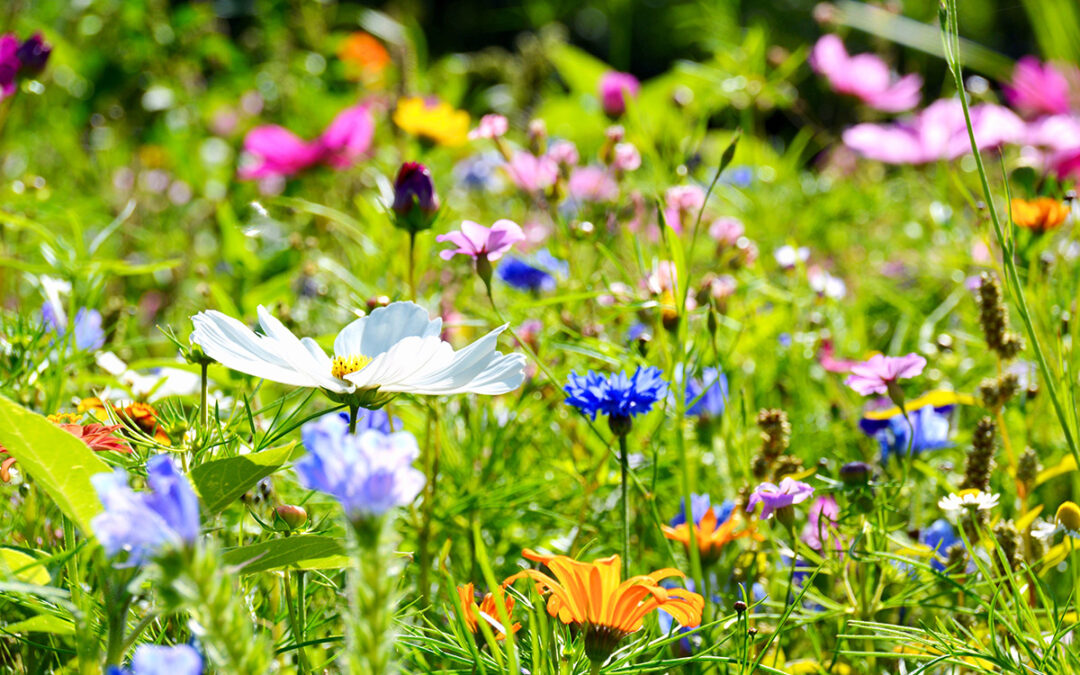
x=222, y=481
x=23, y=567
x=59, y=463
x=42, y=623
x=304, y=552
x=580, y=70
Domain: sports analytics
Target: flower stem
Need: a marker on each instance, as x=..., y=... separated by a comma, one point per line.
x=624, y=465
x=354, y=409
x=412, y=265
x=204, y=410
x=370, y=634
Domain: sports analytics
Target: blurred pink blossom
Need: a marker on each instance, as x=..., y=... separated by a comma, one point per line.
x=563, y=153
x=490, y=127
x=683, y=204
x=938, y=132
x=592, y=184
x=626, y=157
x=532, y=173
x=475, y=240
x=880, y=372
x=864, y=76
x=727, y=230
x=1038, y=88
x=348, y=137
x=277, y=152
x=614, y=88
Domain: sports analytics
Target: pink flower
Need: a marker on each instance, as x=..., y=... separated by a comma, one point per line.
x=626, y=157
x=777, y=497
x=348, y=137
x=9, y=64
x=277, y=152
x=1038, y=88
x=532, y=173
x=726, y=231
x=476, y=241
x=563, y=153
x=827, y=359
x=938, y=132
x=821, y=524
x=592, y=184
x=864, y=76
x=881, y=372
x=683, y=204
x=490, y=127
x=614, y=88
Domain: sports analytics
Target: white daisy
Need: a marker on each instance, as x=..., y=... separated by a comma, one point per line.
x=394, y=350
x=1067, y=520
x=968, y=499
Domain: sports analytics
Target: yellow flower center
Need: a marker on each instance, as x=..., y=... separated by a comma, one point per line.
x=1068, y=514
x=343, y=365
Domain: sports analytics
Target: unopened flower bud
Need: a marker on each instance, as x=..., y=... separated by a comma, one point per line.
x=855, y=473
x=33, y=54
x=415, y=200
x=288, y=518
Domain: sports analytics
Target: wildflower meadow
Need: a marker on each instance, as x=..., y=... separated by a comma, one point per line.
x=704, y=337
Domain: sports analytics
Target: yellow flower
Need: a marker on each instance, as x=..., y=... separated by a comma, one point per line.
x=486, y=609
x=435, y=120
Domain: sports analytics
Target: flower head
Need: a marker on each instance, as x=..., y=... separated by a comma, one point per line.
x=592, y=184
x=433, y=120
x=33, y=53
x=820, y=526
x=364, y=56
x=348, y=138
x=683, y=202
x=563, y=153
x=1067, y=520
x=142, y=524
x=615, y=87
x=615, y=395
x=415, y=199
x=162, y=660
x=476, y=241
x=9, y=64
x=778, y=497
x=864, y=76
x=88, y=334
x=972, y=499
x=1038, y=88
x=929, y=415
x=395, y=349
x=707, y=395
x=275, y=151
x=592, y=598
x=1040, y=214
x=714, y=526
x=369, y=472
x=877, y=375
x=537, y=274
x=490, y=127
x=940, y=537
x=626, y=157
x=486, y=609
x=532, y=173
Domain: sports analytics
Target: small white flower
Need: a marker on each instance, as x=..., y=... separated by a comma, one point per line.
x=968, y=499
x=1067, y=520
x=394, y=350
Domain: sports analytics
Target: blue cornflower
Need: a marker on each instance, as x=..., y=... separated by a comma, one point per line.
x=479, y=172
x=144, y=523
x=940, y=536
x=931, y=431
x=379, y=420
x=88, y=334
x=706, y=396
x=699, y=506
x=617, y=396
x=538, y=274
x=160, y=660
x=369, y=472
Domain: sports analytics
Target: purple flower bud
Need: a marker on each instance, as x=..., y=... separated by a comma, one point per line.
x=33, y=54
x=9, y=64
x=415, y=200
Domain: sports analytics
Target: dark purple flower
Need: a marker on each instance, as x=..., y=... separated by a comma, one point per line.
x=415, y=200
x=9, y=64
x=33, y=54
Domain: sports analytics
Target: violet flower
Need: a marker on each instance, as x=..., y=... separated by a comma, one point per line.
x=880, y=374
x=477, y=241
x=864, y=76
x=775, y=498
x=9, y=64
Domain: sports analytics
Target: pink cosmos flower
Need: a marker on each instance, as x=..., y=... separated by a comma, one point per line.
x=726, y=231
x=864, y=76
x=563, y=153
x=626, y=157
x=614, y=88
x=776, y=497
x=876, y=375
x=532, y=173
x=277, y=152
x=827, y=359
x=475, y=240
x=9, y=64
x=592, y=184
x=490, y=127
x=938, y=132
x=1038, y=88
x=348, y=137
x=820, y=525
x=683, y=204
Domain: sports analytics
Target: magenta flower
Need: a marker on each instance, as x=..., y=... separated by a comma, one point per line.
x=277, y=152
x=348, y=137
x=532, y=173
x=864, y=76
x=592, y=184
x=881, y=372
x=777, y=497
x=1038, y=88
x=683, y=204
x=490, y=127
x=563, y=153
x=9, y=64
x=614, y=88
x=938, y=132
x=477, y=241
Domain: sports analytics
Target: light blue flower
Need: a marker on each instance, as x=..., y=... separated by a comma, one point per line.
x=141, y=524
x=369, y=473
x=699, y=506
x=931, y=431
x=161, y=660
x=88, y=334
x=940, y=537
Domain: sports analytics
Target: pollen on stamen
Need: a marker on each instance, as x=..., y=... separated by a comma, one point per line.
x=343, y=365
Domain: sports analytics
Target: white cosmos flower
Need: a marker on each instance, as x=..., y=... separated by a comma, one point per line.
x=394, y=350
x=968, y=499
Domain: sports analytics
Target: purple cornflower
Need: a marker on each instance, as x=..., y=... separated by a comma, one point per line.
x=144, y=523
x=776, y=498
x=620, y=397
x=369, y=473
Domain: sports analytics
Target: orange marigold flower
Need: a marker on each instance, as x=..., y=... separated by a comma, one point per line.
x=141, y=416
x=435, y=120
x=711, y=537
x=1039, y=215
x=593, y=598
x=486, y=609
x=364, y=56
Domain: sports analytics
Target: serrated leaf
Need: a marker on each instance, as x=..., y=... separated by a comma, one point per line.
x=23, y=566
x=304, y=552
x=42, y=623
x=222, y=481
x=59, y=463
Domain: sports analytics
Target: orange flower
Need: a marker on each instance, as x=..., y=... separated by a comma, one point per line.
x=590, y=597
x=98, y=437
x=141, y=416
x=486, y=608
x=1039, y=215
x=710, y=536
x=363, y=55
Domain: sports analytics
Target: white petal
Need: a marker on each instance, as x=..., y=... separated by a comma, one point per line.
x=383, y=328
x=298, y=354
x=392, y=370
x=477, y=368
